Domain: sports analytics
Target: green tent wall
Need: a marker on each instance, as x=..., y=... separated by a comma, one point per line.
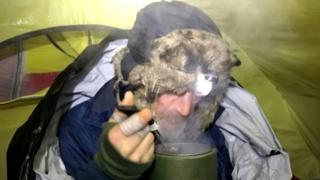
x=278, y=43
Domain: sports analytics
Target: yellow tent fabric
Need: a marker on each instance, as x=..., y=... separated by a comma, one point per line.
x=278, y=43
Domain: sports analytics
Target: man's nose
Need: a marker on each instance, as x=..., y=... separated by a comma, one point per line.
x=183, y=104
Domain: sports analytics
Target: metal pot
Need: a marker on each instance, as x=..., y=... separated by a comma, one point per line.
x=187, y=161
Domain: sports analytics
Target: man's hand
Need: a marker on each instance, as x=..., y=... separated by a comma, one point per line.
x=131, y=137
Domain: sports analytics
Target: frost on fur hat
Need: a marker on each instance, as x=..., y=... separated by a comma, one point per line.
x=156, y=20
x=174, y=62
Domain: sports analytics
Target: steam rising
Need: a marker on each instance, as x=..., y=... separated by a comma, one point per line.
x=181, y=135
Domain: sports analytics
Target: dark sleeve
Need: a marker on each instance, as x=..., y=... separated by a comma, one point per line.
x=80, y=129
x=95, y=173
x=113, y=164
x=79, y=138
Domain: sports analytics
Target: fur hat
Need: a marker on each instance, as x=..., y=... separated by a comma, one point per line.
x=156, y=20
x=170, y=44
x=173, y=65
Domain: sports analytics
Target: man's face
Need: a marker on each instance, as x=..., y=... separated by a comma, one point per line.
x=180, y=63
x=171, y=112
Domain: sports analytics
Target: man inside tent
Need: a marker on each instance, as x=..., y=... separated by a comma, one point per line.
x=175, y=69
